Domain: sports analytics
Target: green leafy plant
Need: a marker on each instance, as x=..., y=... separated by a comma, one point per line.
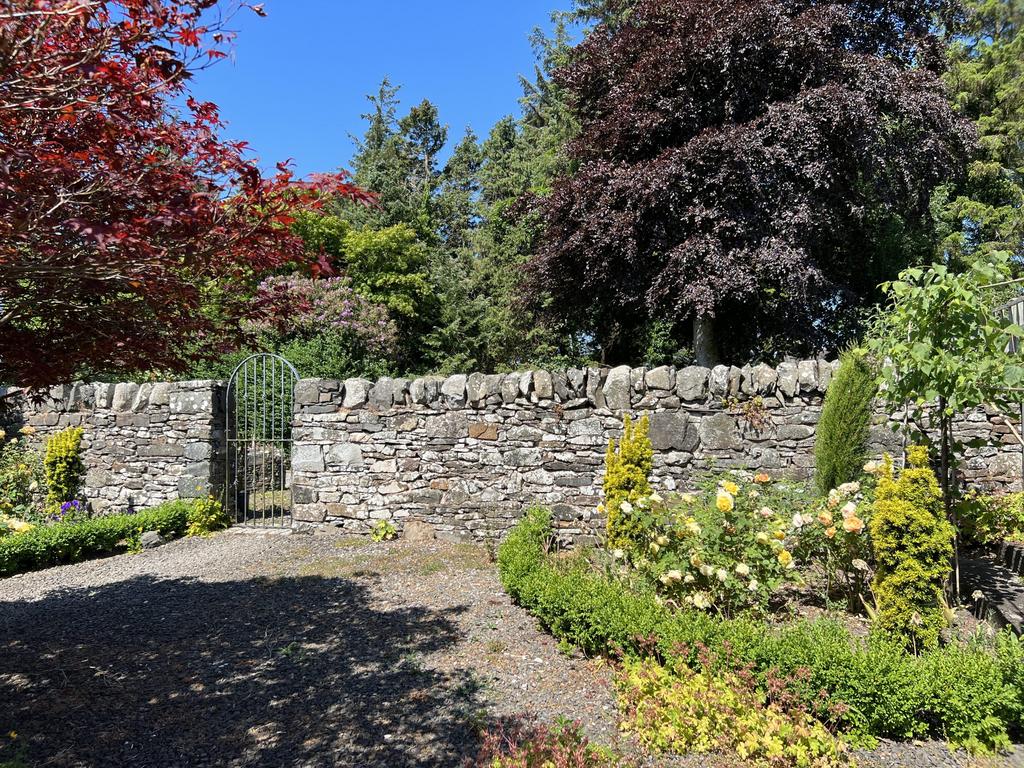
x=627, y=467
x=913, y=545
x=21, y=478
x=842, y=431
x=63, y=467
x=383, y=531
x=676, y=709
x=991, y=519
x=207, y=516
x=942, y=348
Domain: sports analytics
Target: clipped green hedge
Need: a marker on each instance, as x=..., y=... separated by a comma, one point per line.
x=970, y=694
x=47, y=546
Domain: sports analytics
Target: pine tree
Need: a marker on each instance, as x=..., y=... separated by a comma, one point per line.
x=986, y=77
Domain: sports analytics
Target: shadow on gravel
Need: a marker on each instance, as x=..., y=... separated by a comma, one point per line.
x=280, y=672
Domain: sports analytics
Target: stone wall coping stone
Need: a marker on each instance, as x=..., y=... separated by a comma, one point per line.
x=609, y=389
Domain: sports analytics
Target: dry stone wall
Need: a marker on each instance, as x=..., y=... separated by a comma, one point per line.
x=143, y=443
x=468, y=454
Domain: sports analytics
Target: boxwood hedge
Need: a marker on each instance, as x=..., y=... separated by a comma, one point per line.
x=47, y=546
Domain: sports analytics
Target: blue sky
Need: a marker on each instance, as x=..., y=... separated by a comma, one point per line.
x=299, y=77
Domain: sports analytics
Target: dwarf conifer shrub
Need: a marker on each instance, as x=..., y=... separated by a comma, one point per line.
x=842, y=432
x=913, y=545
x=627, y=467
x=63, y=467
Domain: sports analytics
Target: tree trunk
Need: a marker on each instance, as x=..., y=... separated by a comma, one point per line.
x=705, y=350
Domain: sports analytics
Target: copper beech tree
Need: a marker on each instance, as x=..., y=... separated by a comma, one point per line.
x=127, y=222
x=748, y=170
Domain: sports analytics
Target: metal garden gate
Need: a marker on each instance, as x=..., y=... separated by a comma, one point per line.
x=259, y=403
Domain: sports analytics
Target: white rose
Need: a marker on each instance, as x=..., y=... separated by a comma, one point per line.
x=722, y=574
x=743, y=569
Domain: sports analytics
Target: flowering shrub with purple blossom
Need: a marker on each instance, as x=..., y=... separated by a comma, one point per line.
x=323, y=327
x=69, y=512
x=289, y=306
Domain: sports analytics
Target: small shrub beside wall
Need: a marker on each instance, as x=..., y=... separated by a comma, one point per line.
x=627, y=467
x=64, y=468
x=913, y=545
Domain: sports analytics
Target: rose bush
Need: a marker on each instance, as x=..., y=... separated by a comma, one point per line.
x=724, y=548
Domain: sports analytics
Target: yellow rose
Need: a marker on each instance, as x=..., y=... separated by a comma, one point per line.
x=786, y=559
x=731, y=487
x=27, y=430
x=762, y=537
x=724, y=501
x=825, y=518
x=780, y=535
x=695, y=560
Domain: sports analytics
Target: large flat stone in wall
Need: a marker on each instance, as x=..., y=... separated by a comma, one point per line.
x=187, y=402
x=618, y=388
x=448, y=425
x=307, y=458
x=719, y=432
x=692, y=382
x=124, y=396
x=357, y=392
x=672, y=431
x=345, y=456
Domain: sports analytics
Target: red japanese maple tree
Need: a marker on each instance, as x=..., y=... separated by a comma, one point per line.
x=127, y=222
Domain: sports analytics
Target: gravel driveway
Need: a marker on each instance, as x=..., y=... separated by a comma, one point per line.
x=270, y=650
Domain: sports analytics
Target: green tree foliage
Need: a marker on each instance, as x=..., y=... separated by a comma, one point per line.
x=626, y=469
x=750, y=170
x=985, y=212
x=913, y=546
x=840, y=442
x=388, y=266
x=942, y=342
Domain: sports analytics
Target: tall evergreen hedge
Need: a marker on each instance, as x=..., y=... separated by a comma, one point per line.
x=840, y=446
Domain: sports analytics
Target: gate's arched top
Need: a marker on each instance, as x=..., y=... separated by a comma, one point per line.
x=263, y=356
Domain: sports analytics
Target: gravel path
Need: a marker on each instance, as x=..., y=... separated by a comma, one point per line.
x=271, y=650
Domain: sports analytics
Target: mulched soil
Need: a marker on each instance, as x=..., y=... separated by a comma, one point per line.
x=305, y=650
